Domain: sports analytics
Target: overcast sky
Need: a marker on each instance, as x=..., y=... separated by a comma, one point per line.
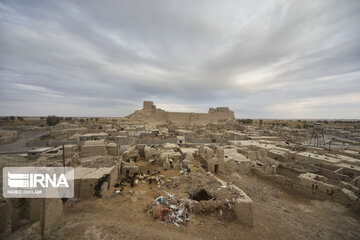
x=263, y=59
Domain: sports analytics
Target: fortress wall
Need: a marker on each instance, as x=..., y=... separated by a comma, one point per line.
x=222, y=115
x=200, y=117
x=214, y=114
x=162, y=115
x=188, y=117
x=178, y=117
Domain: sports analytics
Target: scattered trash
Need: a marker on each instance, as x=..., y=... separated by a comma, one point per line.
x=170, y=209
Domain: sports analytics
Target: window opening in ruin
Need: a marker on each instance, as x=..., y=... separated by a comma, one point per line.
x=216, y=168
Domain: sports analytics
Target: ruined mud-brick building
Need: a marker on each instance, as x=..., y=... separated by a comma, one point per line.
x=150, y=112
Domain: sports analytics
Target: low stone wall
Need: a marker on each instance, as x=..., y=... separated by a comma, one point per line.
x=156, y=141
x=49, y=143
x=313, y=188
x=93, y=150
x=243, y=167
x=244, y=208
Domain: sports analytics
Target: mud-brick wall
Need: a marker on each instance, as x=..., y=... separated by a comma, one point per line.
x=52, y=211
x=92, y=150
x=244, y=208
x=3, y=213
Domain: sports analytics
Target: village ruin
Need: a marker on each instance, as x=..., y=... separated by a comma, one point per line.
x=187, y=174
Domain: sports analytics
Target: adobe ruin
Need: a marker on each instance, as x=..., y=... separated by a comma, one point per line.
x=150, y=112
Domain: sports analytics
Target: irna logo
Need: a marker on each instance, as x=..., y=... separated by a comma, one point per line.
x=38, y=182
x=19, y=180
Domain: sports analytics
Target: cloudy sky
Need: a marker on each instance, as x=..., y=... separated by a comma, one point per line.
x=263, y=59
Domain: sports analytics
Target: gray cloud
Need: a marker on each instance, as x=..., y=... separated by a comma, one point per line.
x=265, y=59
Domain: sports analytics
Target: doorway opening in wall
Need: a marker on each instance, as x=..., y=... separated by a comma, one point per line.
x=216, y=168
x=180, y=141
x=201, y=195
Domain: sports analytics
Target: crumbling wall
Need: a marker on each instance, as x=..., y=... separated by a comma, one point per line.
x=214, y=157
x=35, y=209
x=243, y=167
x=93, y=147
x=314, y=184
x=244, y=208
x=129, y=168
x=356, y=182
x=84, y=188
x=19, y=211
x=151, y=153
x=52, y=211
x=112, y=149
x=277, y=155
x=112, y=132
x=204, y=193
x=313, y=188
x=24, y=210
x=4, y=215
x=114, y=174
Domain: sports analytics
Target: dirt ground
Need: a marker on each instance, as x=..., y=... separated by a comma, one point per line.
x=277, y=215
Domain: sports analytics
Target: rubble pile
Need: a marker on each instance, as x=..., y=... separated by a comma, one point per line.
x=202, y=193
x=171, y=209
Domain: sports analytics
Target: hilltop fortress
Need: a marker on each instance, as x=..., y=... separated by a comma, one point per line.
x=150, y=112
